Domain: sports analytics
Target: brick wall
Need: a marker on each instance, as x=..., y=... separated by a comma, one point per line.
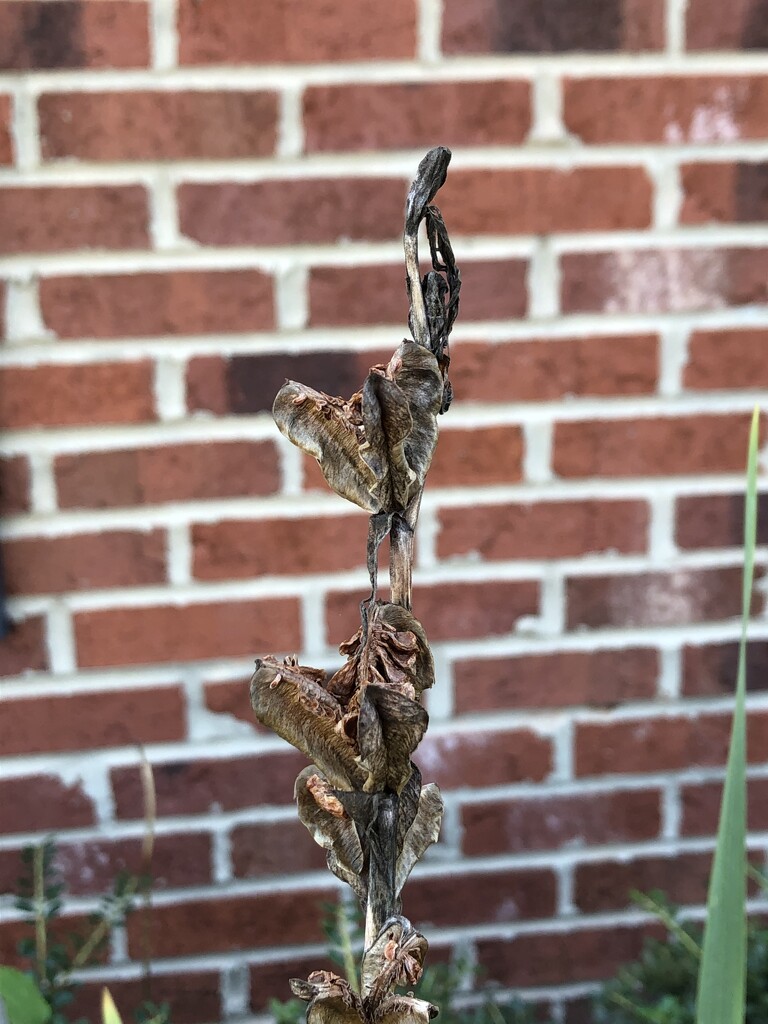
x=198, y=199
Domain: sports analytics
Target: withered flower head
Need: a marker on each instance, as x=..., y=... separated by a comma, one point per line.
x=395, y=957
x=375, y=448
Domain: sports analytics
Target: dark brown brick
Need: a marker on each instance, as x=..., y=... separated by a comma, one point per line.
x=553, y=822
x=142, y=635
x=35, y=34
x=6, y=138
x=601, y=886
x=14, y=485
x=552, y=26
x=118, y=558
x=158, y=125
x=716, y=521
x=23, y=648
x=561, y=679
x=741, y=26
x=701, y=807
x=710, y=670
x=293, y=212
x=36, y=803
x=193, y=998
x=178, y=472
x=462, y=898
x=146, y=304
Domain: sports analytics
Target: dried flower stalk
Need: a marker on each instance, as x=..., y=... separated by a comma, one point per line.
x=361, y=798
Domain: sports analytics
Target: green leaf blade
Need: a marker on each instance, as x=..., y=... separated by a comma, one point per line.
x=23, y=1002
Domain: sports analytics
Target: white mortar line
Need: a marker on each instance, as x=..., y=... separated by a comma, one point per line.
x=547, y=116
x=290, y=128
x=429, y=32
x=163, y=35
x=42, y=484
x=60, y=638
x=25, y=129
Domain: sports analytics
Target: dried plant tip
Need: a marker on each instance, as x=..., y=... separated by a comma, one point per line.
x=430, y=177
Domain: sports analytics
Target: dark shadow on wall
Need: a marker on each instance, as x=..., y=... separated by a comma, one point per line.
x=751, y=199
x=50, y=36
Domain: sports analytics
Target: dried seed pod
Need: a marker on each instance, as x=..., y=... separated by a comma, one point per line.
x=395, y=957
x=331, y=999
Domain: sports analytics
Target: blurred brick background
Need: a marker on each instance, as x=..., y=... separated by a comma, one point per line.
x=200, y=198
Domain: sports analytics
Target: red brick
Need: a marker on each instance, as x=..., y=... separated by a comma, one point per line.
x=482, y=455
x=73, y=34
x=727, y=359
x=662, y=744
x=710, y=670
x=6, y=138
x=140, y=636
x=740, y=26
x=547, y=370
x=293, y=212
x=724, y=192
x=716, y=521
x=277, y=848
x=654, y=598
x=178, y=472
x=649, y=281
x=146, y=304
x=53, y=396
x=488, y=897
x=344, y=296
x=240, y=549
x=560, y=679
x=69, y=929
x=2, y=311
x=675, y=109
x=659, y=446
x=557, y=957
x=24, y=648
x=403, y=115
x=701, y=807
x=204, y=785
x=84, y=721
x=450, y=610
x=158, y=125
x=484, y=758
x=192, y=998
x=555, y=822
x=88, y=217
x=537, y=200
x=234, y=923
x=49, y=565
x=544, y=529
x=552, y=26
x=90, y=867
x=607, y=885
x=14, y=485
x=286, y=31
x=36, y=803
x=231, y=697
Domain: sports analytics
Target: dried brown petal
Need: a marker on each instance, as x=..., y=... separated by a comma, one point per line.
x=336, y=833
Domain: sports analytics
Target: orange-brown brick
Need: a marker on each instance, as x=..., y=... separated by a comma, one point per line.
x=162, y=125
x=660, y=446
x=115, y=558
x=550, y=823
x=145, y=304
x=713, y=26
x=292, y=212
x=448, y=611
x=724, y=192
x=285, y=31
x=73, y=34
x=544, y=529
x=372, y=295
x=33, y=803
x=560, y=679
x=84, y=721
x=6, y=139
x=647, y=281
x=178, y=472
x=455, y=760
x=482, y=455
x=52, y=396
x=238, y=549
x=404, y=115
x=541, y=200
x=202, y=785
x=548, y=369
x=662, y=744
x=87, y=217
x=546, y=26
x=719, y=360
x=14, y=485
x=654, y=598
x=140, y=636
x=666, y=109
x=23, y=648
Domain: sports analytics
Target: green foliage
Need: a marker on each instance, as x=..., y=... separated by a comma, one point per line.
x=53, y=961
x=21, y=998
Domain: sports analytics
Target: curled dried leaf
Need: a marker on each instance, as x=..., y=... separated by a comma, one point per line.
x=404, y=1010
x=298, y=707
x=374, y=449
x=395, y=957
x=423, y=831
x=389, y=729
x=331, y=999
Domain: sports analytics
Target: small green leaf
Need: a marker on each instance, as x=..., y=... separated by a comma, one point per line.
x=23, y=1002
x=109, y=1014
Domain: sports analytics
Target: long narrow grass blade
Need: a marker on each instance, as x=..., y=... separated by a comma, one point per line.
x=720, y=997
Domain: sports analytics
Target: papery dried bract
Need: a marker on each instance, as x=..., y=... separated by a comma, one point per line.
x=395, y=958
x=290, y=699
x=390, y=727
x=376, y=448
x=331, y=999
x=404, y=1010
x=424, y=831
x=336, y=834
